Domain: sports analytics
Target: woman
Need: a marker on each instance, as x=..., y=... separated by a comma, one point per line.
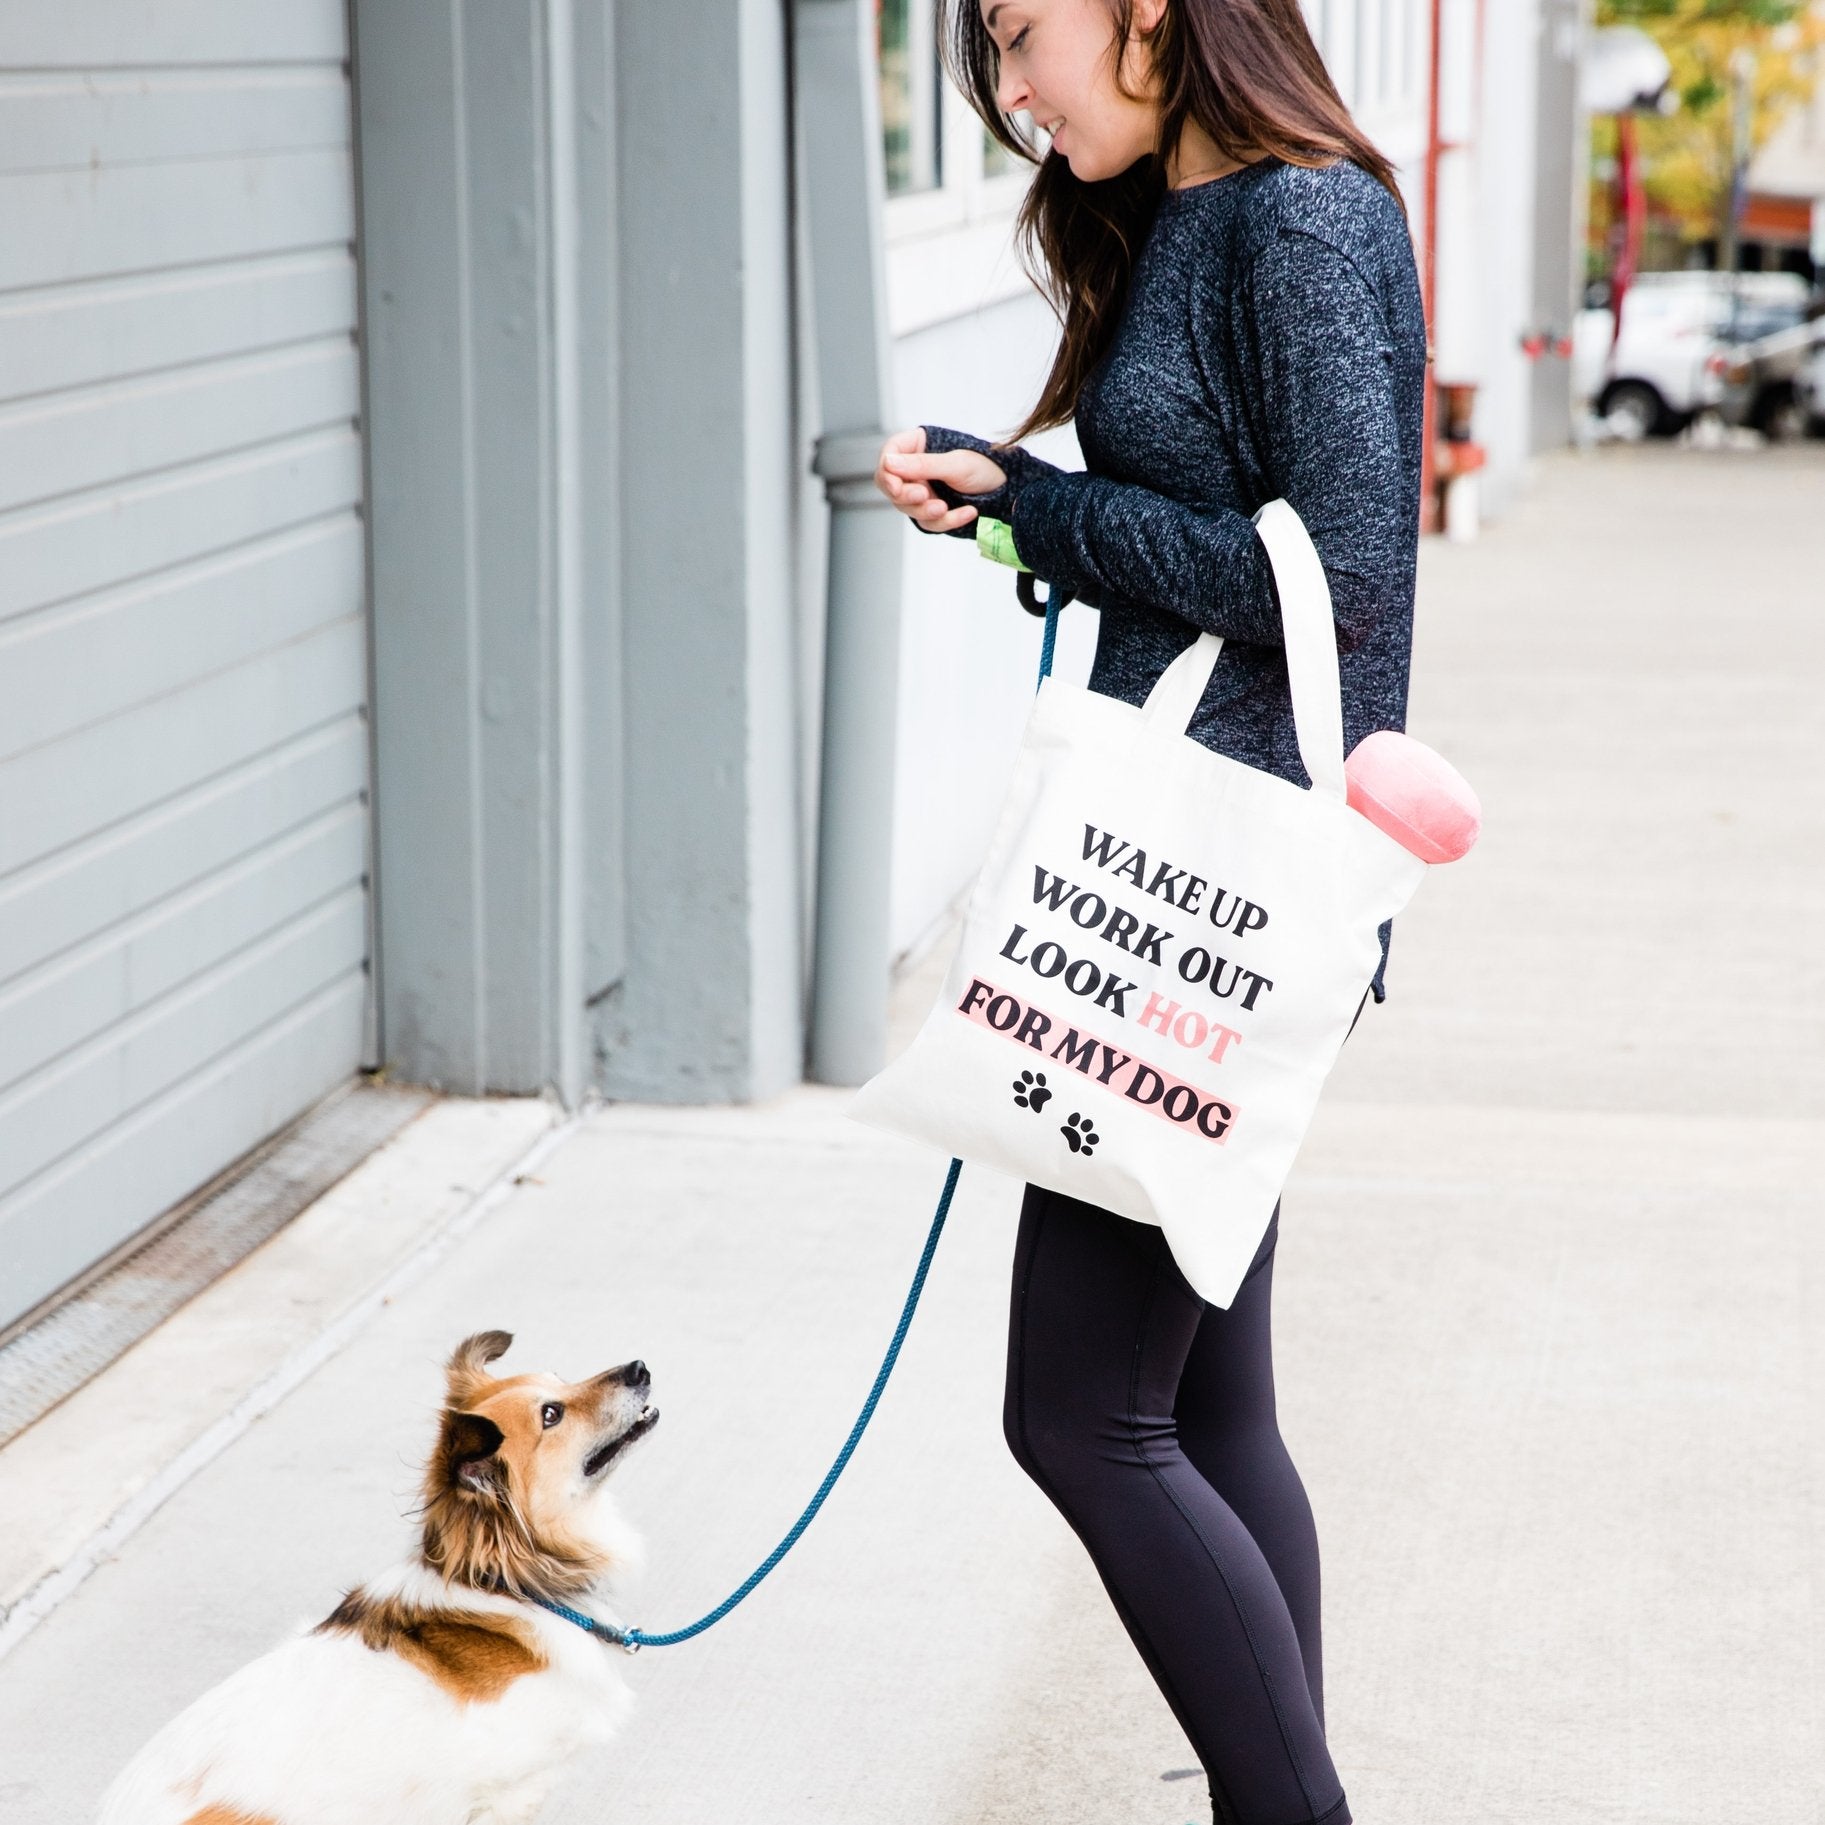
x=1241, y=320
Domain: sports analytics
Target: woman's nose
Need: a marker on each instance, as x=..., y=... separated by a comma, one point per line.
x=1011, y=91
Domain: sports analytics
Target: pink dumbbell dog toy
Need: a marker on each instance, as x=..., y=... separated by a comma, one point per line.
x=1413, y=793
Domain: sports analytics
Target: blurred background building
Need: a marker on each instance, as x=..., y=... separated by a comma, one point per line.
x=1783, y=221
x=433, y=473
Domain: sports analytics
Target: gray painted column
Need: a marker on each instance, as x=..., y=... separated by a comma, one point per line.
x=855, y=811
x=1561, y=175
x=840, y=132
x=708, y=1006
x=577, y=278
x=470, y=303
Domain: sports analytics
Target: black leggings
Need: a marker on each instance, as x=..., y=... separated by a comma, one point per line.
x=1147, y=1417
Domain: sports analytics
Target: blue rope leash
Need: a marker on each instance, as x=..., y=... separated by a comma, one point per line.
x=635, y=1639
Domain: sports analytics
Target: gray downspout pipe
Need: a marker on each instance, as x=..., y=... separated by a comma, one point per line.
x=839, y=136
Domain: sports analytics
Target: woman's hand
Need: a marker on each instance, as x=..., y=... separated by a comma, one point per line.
x=904, y=468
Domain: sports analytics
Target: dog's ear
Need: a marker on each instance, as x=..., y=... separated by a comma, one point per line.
x=466, y=1372
x=467, y=1452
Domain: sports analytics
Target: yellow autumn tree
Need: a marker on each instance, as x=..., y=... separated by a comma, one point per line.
x=1687, y=156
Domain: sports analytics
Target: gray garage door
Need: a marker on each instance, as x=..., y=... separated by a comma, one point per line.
x=183, y=749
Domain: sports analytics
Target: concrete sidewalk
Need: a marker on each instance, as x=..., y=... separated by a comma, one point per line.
x=1548, y=1346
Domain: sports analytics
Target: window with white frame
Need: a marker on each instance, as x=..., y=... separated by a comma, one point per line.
x=943, y=164
x=952, y=188
x=910, y=82
x=1376, y=51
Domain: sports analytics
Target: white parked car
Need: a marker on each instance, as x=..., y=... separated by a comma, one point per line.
x=1669, y=362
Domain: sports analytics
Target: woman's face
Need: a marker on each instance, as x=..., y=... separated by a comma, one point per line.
x=1058, y=63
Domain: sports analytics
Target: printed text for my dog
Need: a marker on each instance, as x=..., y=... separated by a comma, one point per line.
x=1122, y=1074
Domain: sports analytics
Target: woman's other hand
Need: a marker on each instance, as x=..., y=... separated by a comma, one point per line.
x=905, y=469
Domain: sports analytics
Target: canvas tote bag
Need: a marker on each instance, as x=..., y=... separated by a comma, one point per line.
x=1162, y=954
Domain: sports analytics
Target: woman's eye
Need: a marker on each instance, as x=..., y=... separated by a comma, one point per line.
x=1019, y=38
x=551, y=1413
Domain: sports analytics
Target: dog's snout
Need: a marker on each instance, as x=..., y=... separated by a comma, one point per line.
x=634, y=1374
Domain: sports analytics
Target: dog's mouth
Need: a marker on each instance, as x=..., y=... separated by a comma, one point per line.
x=606, y=1453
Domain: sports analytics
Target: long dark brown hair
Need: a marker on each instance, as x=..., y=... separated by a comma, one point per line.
x=1246, y=71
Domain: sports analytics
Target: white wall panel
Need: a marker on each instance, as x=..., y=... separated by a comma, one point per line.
x=66, y=336
x=183, y=638
x=52, y=551
x=135, y=34
x=93, y=777
x=85, y=991
x=105, y=877
x=50, y=121
x=88, y=224
x=54, y=1226
x=86, y=1090
x=70, y=441
x=96, y=657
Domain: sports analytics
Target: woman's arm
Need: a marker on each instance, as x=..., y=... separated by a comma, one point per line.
x=1017, y=463
x=1315, y=348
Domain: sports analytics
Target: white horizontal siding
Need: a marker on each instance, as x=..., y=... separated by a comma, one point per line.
x=67, y=225
x=51, y=1010
x=52, y=551
x=71, y=335
x=114, y=873
x=116, y=34
x=51, y=121
x=61, y=791
x=90, y=1088
x=183, y=640
x=54, y=1226
x=62, y=443
x=102, y=654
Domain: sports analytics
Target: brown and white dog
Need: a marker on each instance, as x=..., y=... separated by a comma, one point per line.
x=436, y=1694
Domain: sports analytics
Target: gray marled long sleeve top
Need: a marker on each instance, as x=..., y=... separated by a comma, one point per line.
x=1272, y=344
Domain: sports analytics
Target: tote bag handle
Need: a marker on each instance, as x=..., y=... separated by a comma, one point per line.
x=1311, y=653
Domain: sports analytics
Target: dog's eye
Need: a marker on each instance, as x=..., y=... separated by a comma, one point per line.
x=551, y=1413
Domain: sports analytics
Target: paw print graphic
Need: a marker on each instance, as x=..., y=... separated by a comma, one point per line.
x=1030, y=1090
x=1080, y=1137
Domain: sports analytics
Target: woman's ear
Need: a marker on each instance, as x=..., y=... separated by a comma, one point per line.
x=467, y=1451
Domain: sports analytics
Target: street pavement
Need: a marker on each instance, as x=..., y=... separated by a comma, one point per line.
x=1547, y=1294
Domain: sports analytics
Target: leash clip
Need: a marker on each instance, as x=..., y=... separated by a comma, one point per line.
x=604, y=1632
x=609, y=1635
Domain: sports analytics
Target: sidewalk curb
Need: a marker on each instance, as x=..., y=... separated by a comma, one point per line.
x=44, y=1597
